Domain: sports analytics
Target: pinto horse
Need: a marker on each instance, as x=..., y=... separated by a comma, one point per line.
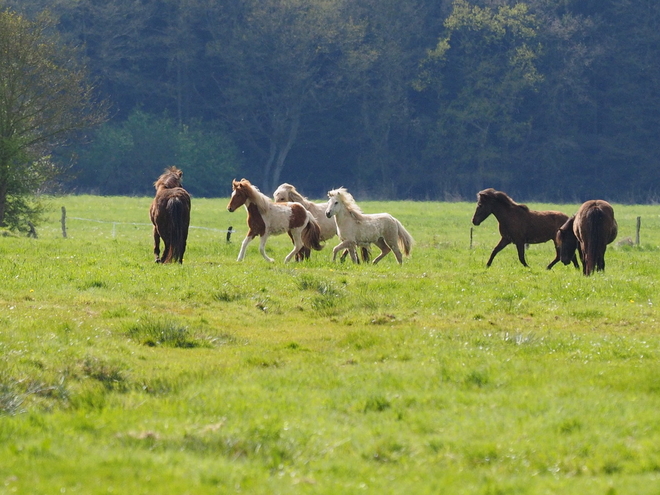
x=589, y=231
x=266, y=218
x=286, y=192
x=357, y=229
x=518, y=224
x=170, y=215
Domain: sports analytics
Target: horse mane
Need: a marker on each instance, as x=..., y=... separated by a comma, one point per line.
x=502, y=198
x=253, y=193
x=347, y=200
x=170, y=178
x=294, y=195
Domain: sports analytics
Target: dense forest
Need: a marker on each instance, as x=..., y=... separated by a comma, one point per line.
x=555, y=100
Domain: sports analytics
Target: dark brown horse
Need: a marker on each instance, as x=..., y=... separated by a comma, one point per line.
x=170, y=214
x=589, y=231
x=518, y=224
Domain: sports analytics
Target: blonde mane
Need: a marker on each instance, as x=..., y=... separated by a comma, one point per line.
x=291, y=194
x=295, y=196
x=347, y=200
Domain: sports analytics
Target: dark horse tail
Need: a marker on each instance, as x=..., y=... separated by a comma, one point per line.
x=597, y=241
x=179, y=216
x=311, y=234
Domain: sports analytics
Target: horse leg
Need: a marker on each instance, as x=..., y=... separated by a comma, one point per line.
x=167, y=248
x=583, y=259
x=600, y=265
x=298, y=244
x=521, y=253
x=303, y=254
x=557, y=258
x=384, y=250
x=262, y=248
x=157, y=245
x=244, y=245
x=354, y=256
x=500, y=245
x=343, y=245
x=575, y=262
x=397, y=253
x=366, y=254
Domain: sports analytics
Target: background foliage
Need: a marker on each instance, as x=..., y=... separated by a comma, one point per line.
x=545, y=99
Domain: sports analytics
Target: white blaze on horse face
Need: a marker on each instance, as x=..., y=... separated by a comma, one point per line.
x=332, y=207
x=231, y=199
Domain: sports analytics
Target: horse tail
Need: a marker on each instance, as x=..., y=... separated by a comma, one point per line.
x=596, y=241
x=405, y=239
x=311, y=234
x=179, y=220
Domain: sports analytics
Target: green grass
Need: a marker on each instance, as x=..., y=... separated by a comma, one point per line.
x=441, y=376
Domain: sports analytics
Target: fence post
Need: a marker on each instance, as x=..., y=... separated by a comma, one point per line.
x=32, y=232
x=639, y=225
x=64, y=222
x=471, y=237
x=229, y=231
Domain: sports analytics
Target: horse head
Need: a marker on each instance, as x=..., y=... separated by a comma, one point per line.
x=566, y=241
x=484, y=208
x=334, y=202
x=239, y=194
x=282, y=193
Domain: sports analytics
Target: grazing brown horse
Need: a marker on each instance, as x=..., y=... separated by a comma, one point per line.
x=589, y=231
x=518, y=224
x=170, y=214
x=267, y=218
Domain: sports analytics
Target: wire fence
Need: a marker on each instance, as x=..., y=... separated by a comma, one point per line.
x=229, y=231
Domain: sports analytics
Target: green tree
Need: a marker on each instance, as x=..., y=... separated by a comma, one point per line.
x=275, y=61
x=482, y=71
x=126, y=157
x=384, y=126
x=45, y=97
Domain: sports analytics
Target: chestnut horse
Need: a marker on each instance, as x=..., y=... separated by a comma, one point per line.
x=518, y=224
x=357, y=229
x=286, y=192
x=170, y=215
x=589, y=231
x=266, y=218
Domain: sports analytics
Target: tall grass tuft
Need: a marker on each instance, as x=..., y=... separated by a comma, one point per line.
x=154, y=333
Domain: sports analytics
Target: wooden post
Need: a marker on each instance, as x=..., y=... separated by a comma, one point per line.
x=471, y=228
x=32, y=232
x=639, y=225
x=64, y=222
x=229, y=231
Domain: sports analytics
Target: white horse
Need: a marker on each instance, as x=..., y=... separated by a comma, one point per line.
x=356, y=228
x=266, y=218
x=286, y=192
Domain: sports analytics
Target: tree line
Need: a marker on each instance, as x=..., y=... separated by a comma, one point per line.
x=555, y=100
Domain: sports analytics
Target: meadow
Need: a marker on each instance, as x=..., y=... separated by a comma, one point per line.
x=118, y=375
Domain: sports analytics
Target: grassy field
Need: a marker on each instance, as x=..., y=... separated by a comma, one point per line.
x=118, y=375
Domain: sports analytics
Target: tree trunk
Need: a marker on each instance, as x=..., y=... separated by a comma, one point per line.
x=284, y=150
x=3, y=201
